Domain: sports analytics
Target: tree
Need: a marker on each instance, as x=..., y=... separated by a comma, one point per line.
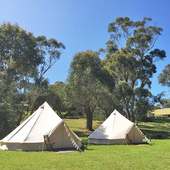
x=24, y=59
x=105, y=104
x=17, y=52
x=164, y=77
x=52, y=98
x=59, y=89
x=9, y=107
x=49, y=51
x=165, y=103
x=130, y=60
x=84, y=82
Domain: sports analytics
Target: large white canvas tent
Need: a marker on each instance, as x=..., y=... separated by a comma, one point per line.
x=43, y=130
x=117, y=129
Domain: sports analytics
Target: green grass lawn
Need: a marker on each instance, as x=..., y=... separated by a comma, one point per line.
x=118, y=157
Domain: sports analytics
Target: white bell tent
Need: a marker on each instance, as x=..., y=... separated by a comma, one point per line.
x=117, y=129
x=43, y=130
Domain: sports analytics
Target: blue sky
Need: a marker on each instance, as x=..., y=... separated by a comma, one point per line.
x=82, y=25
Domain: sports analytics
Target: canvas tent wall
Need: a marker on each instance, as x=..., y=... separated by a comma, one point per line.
x=43, y=130
x=117, y=129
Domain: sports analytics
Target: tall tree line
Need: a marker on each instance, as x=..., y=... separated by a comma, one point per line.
x=24, y=60
x=117, y=76
x=122, y=80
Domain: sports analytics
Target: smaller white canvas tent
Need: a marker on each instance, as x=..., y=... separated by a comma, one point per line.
x=117, y=129
x=43, y=130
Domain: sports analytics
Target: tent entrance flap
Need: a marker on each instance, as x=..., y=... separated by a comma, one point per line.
x=65, y=140
x=47, y=143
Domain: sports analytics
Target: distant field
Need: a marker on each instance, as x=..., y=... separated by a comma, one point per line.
x=114, y=157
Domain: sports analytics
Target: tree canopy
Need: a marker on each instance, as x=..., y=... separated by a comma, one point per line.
x=85, y=81
x=164, y=77
x=24, y=60
x=130, y=59
x=120, y=79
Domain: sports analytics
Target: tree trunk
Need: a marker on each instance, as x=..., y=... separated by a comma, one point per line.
x=133, y=117
x=89, y=121
x=128, y=114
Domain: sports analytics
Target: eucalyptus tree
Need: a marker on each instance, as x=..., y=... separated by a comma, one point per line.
x=85, y=80
x=130, y=60
x=24, y=61
x=164, y=77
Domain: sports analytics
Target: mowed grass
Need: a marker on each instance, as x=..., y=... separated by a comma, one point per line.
x=111, y=157
x=118, y=157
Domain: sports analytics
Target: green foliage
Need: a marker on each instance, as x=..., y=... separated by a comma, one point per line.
x=24, y=60
x=165, y=103
x=61, y=105
x=164, y=77
x=49, y=51
x=130, y=60
x=87, y=84
x=122, y=80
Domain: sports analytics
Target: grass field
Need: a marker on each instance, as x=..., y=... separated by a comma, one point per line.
x=114, y=157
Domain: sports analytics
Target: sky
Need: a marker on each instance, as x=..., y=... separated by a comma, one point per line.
x=82, y=25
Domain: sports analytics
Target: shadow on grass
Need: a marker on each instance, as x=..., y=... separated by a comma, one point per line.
x=156, y=128
x=159, y=119
x=153, y=134
x=81, y=133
